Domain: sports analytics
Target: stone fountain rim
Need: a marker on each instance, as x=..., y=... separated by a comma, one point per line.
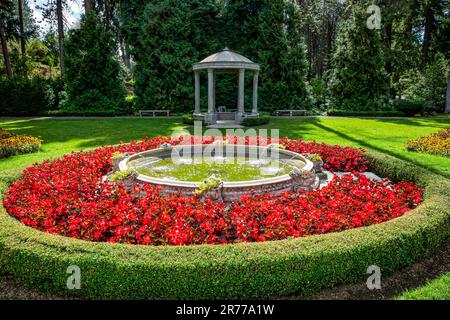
x=123, y=165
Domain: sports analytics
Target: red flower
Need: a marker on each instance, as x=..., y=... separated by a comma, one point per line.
x=67, y=197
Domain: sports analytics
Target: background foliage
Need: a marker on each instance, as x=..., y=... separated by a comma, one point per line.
x=92, y=73
x=314, y=54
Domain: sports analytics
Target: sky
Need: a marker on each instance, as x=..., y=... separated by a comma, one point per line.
x=72, y=14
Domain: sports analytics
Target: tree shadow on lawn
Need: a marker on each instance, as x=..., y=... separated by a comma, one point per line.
x=90, y=133
x=370, y=146
x=417, y=122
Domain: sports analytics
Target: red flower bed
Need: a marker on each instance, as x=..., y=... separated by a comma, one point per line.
x=335, y=158
x=67, y=197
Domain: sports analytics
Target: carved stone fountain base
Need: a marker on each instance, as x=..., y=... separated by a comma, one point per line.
x=303, y=177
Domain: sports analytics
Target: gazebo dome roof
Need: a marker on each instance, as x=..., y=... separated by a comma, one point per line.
x=226, y=59
x=226, y=56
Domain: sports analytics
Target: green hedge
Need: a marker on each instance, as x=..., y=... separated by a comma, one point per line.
x=85, y=113
x=29, y=97
x=19, y=144
x=409, y=107
x=190, y=120
x=346, y=113
x=247, y=270
x=255, y=121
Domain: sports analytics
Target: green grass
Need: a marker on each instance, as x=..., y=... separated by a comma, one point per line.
x=392, y=245
x=382, y=135
x=438, y=289
x=292, y=267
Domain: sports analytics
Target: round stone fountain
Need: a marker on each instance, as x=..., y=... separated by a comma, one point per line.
x=242, y=169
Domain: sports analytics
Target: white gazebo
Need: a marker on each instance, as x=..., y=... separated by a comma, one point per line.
x=225, y=61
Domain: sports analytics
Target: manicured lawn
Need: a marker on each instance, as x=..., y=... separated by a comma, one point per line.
x=438, y=289
x=382, y=135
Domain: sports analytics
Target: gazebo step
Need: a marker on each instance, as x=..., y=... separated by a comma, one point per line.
x=224, y=116
x=225, y=124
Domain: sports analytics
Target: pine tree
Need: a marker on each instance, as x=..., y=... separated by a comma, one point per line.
x=358, y=79
x=295, y=66
x=92, y=71
x=174, y=35
x=271, y=29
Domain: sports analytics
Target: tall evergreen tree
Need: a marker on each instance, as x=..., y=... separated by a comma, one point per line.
x=271, y=29
x=358, y=79
x=174, y=35
x=92, y=72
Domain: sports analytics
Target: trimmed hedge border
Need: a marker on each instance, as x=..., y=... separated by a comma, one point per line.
x=246, y=270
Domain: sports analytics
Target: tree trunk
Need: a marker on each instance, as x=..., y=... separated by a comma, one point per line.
x=88, y=6
x=124, y=48
x=429, y=23
x=5, y=49
x=59, y=14
x=22, y=29
x=447, y=99
x=388, y=47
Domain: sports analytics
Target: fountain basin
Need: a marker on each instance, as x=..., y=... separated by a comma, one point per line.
x=295, y=171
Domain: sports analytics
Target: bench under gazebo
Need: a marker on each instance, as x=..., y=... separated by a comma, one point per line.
x=225, y=61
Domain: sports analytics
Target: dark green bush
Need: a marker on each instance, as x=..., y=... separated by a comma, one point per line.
x=19, y=144
x=245, y=270
x=409, y=107
x=130, y=105
x=255, y=121
x=345, y=113
x=190, y=120
x=29, y=97
x=85, y=113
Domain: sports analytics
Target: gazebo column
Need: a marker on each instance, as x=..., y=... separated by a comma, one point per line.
x=197, y=93
x=241, y=92
x=214, y=91
x=255, y=93
x=211, y=98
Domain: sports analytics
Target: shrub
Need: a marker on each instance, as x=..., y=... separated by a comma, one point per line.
x=428, y=85
x=190, y=120
x=28, y=97
x=5, y=134
x=318, y=92
x=130, y=104
x=84, y=113
x=438, y=143
x=15, y=145
x=344, y=113
x=255, y=121
x=409, y=107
